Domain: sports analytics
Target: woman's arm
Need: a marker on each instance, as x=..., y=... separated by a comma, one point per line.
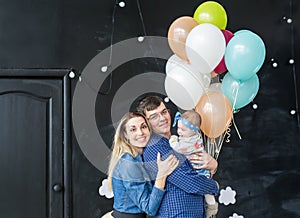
x=138, y=186
x=165, y=168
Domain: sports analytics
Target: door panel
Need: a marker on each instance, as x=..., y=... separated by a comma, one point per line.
x=32, y=147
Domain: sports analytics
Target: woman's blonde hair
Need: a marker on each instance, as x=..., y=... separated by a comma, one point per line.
x=120, y=144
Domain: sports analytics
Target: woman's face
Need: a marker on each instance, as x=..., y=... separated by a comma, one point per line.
x=137, y=132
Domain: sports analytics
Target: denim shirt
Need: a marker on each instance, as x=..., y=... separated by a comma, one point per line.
x=132, y=188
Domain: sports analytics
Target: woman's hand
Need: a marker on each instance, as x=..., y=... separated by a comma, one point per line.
x=204, y=161
x=167, y=166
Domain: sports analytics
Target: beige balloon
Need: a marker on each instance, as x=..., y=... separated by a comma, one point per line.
x=177, y=34
x=216, y=113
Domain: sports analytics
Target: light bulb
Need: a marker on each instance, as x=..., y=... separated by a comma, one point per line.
x=71, y=74
x=104, y=69
x=122, y=4
x=141, y=38
x=275, y=64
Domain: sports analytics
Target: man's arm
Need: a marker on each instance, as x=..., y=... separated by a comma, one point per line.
x=204, y=161
x=184, y=177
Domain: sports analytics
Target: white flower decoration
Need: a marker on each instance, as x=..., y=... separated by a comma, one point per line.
x=236, y=216
x=104, y=190
x=227, y=196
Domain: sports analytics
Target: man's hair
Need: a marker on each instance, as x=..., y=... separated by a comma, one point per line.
x=149, y=103
x=193, y=117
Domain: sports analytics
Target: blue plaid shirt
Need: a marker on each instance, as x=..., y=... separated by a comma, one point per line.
x=185, y=188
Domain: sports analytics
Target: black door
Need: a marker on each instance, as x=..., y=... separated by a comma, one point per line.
x=33, y=143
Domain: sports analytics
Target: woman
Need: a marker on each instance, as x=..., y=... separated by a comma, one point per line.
x=134, y=194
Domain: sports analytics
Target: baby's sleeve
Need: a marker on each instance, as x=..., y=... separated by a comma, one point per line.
x=174, y=142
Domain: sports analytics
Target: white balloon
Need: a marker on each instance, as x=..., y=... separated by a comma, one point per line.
x=172, y=62
x=185, y=88
x=176, y=64
x=179, y=95
x=205, y=47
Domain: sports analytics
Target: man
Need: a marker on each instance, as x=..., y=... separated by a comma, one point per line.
x=185, y=189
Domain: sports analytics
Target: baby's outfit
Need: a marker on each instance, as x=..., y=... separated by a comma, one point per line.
x=189, y=146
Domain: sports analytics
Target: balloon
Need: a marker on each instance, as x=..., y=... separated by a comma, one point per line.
x=244, y=55
x=227, y=35
x=211, y=12
x=177, y=34
x=215, y=87
x=213, y=74
x=205, y=47
x=221, y=68
x=183, y=67
x=240, y=31
x=240, y=93
x=216, y=113
x=185, y=88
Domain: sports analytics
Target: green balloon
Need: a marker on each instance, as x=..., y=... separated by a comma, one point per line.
x=213, y=13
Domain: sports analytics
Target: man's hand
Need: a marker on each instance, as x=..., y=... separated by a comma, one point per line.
x=205, y=160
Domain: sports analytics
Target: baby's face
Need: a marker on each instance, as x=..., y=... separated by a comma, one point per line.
x=184, y=131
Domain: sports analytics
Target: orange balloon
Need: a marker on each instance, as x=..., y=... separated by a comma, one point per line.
x=216, y=113
x=177, y=34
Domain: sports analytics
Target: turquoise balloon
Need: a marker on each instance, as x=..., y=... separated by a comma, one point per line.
x=240, y=31
x=240, y=93
x=244, y=55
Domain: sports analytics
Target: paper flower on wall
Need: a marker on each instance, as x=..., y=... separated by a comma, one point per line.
x=236, y=216
x=227, y=196
x=104, y=190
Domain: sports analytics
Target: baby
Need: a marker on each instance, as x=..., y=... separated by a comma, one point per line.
x=190, y=142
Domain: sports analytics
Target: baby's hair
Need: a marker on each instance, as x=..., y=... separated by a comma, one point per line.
x=193, y=117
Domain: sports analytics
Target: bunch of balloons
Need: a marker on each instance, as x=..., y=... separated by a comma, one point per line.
x=204, y=48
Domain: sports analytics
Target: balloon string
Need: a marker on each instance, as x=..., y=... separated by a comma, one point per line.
x=220, y=143
x=214, y=145
x=218, y=148
x=227, y=133
x=235, y=97
x=237, y=131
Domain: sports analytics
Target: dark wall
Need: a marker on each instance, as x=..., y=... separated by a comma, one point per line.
x=262, y=167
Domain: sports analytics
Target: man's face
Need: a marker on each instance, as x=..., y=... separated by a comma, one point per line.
x=160, y=120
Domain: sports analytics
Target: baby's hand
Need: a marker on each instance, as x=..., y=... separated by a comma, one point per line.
x=174, y=138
